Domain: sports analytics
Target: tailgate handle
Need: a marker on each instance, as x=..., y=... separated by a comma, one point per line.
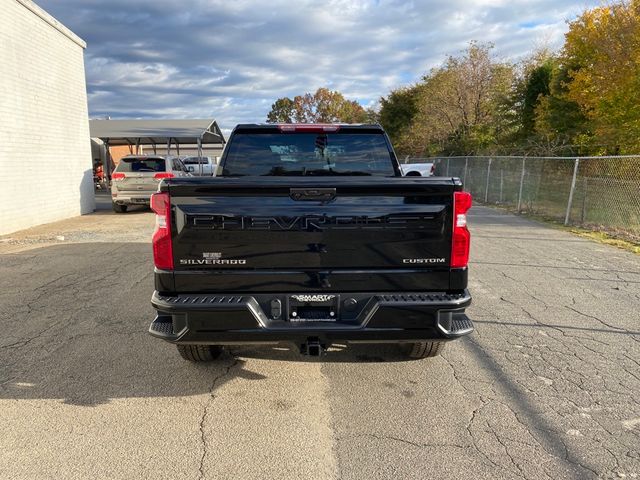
x=321, y=194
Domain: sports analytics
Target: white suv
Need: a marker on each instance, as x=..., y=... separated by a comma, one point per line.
x=137, y=176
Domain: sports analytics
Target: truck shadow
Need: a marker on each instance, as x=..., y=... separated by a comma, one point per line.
x=93, y=369
x=337, y=353
x=82, y=372
x=75, y=320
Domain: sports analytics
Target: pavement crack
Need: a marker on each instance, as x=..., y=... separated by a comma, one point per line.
x=474, y=440
x=508, y=301
x=403, y=440
x=546, y=305
x=506, y=450
x=205, y=412
x=514, y=280
x=542, y=324
x=595, y=318
x=27, y=341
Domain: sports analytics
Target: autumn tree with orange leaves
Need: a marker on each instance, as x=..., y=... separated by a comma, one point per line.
x=601, y=56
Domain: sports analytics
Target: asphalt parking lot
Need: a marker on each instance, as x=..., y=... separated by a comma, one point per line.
x=547, y=387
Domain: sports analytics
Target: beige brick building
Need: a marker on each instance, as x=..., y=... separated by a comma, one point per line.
x=45, y=154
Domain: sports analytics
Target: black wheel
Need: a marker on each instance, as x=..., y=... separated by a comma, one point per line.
x=423, y=349
x=119, y=208
x=199, y=353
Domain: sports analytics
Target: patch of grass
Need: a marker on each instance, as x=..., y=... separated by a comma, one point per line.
x=605, y=238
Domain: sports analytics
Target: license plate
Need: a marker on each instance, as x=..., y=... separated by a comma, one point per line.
x=313, y=308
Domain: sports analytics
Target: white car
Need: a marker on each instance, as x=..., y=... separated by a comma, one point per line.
x=200, y=166
x=418, y=169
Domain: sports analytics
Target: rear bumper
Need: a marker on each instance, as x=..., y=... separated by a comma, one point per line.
x=243, y=319
x=131, y=198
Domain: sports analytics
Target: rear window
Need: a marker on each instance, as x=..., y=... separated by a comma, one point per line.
x=308, y=154
x=141, y=165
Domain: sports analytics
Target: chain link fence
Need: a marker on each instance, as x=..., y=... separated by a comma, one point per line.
x=598, y=193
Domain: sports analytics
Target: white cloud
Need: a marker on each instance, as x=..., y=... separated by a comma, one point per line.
x=231, y=60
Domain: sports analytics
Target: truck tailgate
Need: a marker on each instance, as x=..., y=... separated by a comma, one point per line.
x=311, y=231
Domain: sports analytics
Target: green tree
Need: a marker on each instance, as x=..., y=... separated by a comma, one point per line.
x=461, y=106
x=397, y=113
x=540, y=118
x=536, y=86
x=282, y=111
x=323, y=106
x=560, y=125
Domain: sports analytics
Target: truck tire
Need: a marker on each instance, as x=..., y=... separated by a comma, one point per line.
x=119, y=208
x=199, y=353
x=424, y=349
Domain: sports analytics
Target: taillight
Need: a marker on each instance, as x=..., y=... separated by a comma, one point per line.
x=117, y=176
x=162, y=248
x=163, y=175
x=461, y=235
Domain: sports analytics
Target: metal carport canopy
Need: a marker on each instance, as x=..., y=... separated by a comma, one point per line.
x=157, y=132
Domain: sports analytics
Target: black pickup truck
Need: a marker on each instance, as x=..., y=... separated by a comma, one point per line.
x=310, y=236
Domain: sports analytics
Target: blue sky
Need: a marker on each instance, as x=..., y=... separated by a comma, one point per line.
x=232, y=59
